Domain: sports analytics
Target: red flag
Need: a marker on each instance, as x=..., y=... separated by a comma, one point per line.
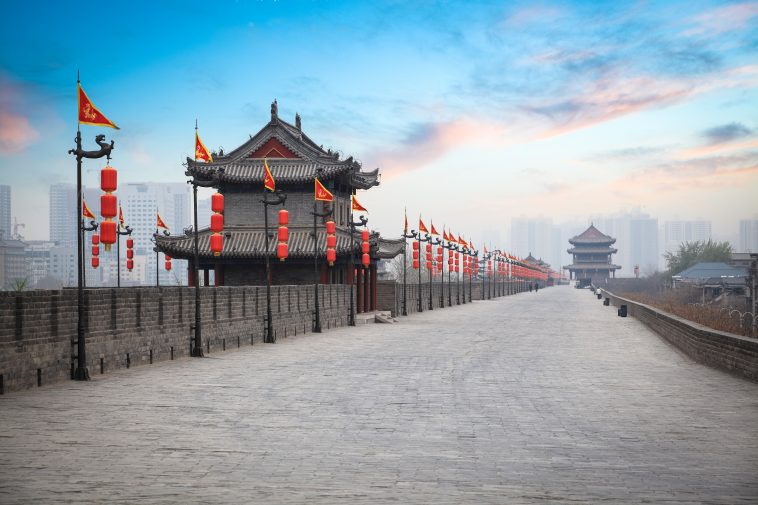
x=160, y=222
x=357, y=206
x=201, y=152
x=120, y=216
x=321, y=193
x=268, y=179
x=461, y=241
x=89, y=114
x=434, y=231
x=422, y=226
x=405, y=226
x=86, y=212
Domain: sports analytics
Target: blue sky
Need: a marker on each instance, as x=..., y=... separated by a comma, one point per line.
x=474, y=111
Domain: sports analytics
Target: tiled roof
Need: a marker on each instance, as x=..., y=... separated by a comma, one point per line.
x=706, y=270
x=592, y=250
x=592, y=236
x=592, y=266
x=249, y=243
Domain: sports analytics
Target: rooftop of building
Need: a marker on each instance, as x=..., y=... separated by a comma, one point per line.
x=592, y=236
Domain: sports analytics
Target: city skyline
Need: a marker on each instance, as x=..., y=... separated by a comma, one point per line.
x=518, y=114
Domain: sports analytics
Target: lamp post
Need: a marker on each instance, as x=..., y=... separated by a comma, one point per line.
x=316, y=214
x=441, y=260
x=433, y=242
x=450, y=249
x=428, y=238
x=405, y=236
x=278, y=199
x=119, y=233
x=351, y=262
x=81, y=372
x=157, y=263
x=197, y=349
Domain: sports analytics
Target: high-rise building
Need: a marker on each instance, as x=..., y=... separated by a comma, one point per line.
x=636, y=240
x=536, y=237
x=676, y=233
x=63, y=211
x=5, y=212
x=748, y=235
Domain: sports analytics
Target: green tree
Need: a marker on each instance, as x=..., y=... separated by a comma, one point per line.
x=690, y=253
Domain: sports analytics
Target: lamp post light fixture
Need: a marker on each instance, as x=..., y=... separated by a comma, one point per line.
x=326, y=213
x=433, y=242
x=81, y=372
x=351, y=263
x=450, y=249
x=278, y=199
x=427, y=238
x=405, y=236
x=155, y=248
x=127, y=232
x=197, y=347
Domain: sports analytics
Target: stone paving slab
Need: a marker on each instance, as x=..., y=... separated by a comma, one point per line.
x=543, y=397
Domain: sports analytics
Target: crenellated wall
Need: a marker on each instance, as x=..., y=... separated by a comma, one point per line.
x=133, y=326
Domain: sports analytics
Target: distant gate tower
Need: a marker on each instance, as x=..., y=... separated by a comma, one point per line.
x=592, y=256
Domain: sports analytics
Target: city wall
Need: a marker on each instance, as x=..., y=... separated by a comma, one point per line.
x=733, y=353
x=136, y=326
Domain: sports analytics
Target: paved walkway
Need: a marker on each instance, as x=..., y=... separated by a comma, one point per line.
x=545, y=397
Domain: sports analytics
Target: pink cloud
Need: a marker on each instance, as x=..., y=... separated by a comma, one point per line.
x=723, y=19
x=15, y=133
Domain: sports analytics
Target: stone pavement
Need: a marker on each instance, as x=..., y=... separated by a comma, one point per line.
x=536, y=398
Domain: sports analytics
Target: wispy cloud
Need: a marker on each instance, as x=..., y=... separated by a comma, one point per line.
x=726, y=133
x=15, y=133
x=723, y=19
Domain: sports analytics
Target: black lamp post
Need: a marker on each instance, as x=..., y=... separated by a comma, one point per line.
x=406, y=236
x=278, y=199
x=157, y=251
x=450, y=249
x=197, y=348
x=127, y=231
x=441, y=243
x=81, y=372
x=417, y=235
x=351, y=263
x=433, y=242
x=316, y=214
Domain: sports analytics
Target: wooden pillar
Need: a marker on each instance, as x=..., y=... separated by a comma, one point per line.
x=359, y=291
x=373, y=286
x=190, y=273
x=218, y=278
x=366, y=291
x=324, y=274
x=206, y=277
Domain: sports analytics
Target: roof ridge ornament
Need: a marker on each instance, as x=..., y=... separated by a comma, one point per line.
x=274, y=110
x=298, y=122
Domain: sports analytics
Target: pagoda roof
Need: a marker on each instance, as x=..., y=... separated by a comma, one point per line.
x=292, y=157
x=592, y=236
x=249, y=243
x=592, y=266
x=592, y=250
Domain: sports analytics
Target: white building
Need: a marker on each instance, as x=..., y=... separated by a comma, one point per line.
x=636, y=235
x=748, y=241
x=676, y=233
x=63, y=211
x=5, y=212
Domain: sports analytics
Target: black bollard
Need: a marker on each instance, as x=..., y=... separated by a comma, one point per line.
x=622, y=311
x=607, y=302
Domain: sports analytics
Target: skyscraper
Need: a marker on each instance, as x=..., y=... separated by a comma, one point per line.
x=63, y=210
x=748, y=235
x=676, y=233
x=5, y=212
x=636, y=240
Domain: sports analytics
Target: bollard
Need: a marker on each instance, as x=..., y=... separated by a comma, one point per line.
x=607, y=301
x=622, y=311
x=599, y=296
x=102, y=366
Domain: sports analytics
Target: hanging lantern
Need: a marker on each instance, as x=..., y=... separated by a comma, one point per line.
x=283, y=234
x=365, y=247
x=366, y=260
x=95, y=239
x=129, y=254
x=95, y=262
x=168, y=264
x=217, y=203
x=331, y=227
x=429, y=265
x=130, y=264
x=415, y=246
x=217, y=223
x=415, y=263
x=108, y=206
x=282, y=251
x=95, y=250
x=217, y=244
x=284, y=217
x=331, y=241
x=415, y=255
x=130, y=242
x=428, y=249
x=331, y=256
x=364, y=235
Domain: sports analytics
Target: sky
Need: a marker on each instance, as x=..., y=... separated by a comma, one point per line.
x=475, y=112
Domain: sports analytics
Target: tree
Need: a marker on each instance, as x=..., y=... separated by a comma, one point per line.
x=690, y=253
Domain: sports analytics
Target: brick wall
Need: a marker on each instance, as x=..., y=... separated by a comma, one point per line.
x=733, y=353
x=134, y=326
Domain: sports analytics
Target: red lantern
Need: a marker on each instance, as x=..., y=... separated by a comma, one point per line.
x=283, y=234
x=129, y=254
x=95, y=250
x=428, y=265
x=331, y=227
x=331, y=241
x=108, y=233
x=415, y=264
x=108, y=205
x=365, y=247
x=168, y=265
x=282, y=251
x=415, y=246
x=108, y=179
x=364, y=235
x=217, y=244
x=217, y=223
x=130, y=242
x=439, y=251
x=217, y=203
x=284, y=217
x=168, y=258
x=428, y=248
x=95, y=262
x=331, y=256
x=130, y=264
x=366, y=260
x=95, y=239
x=415, y=255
